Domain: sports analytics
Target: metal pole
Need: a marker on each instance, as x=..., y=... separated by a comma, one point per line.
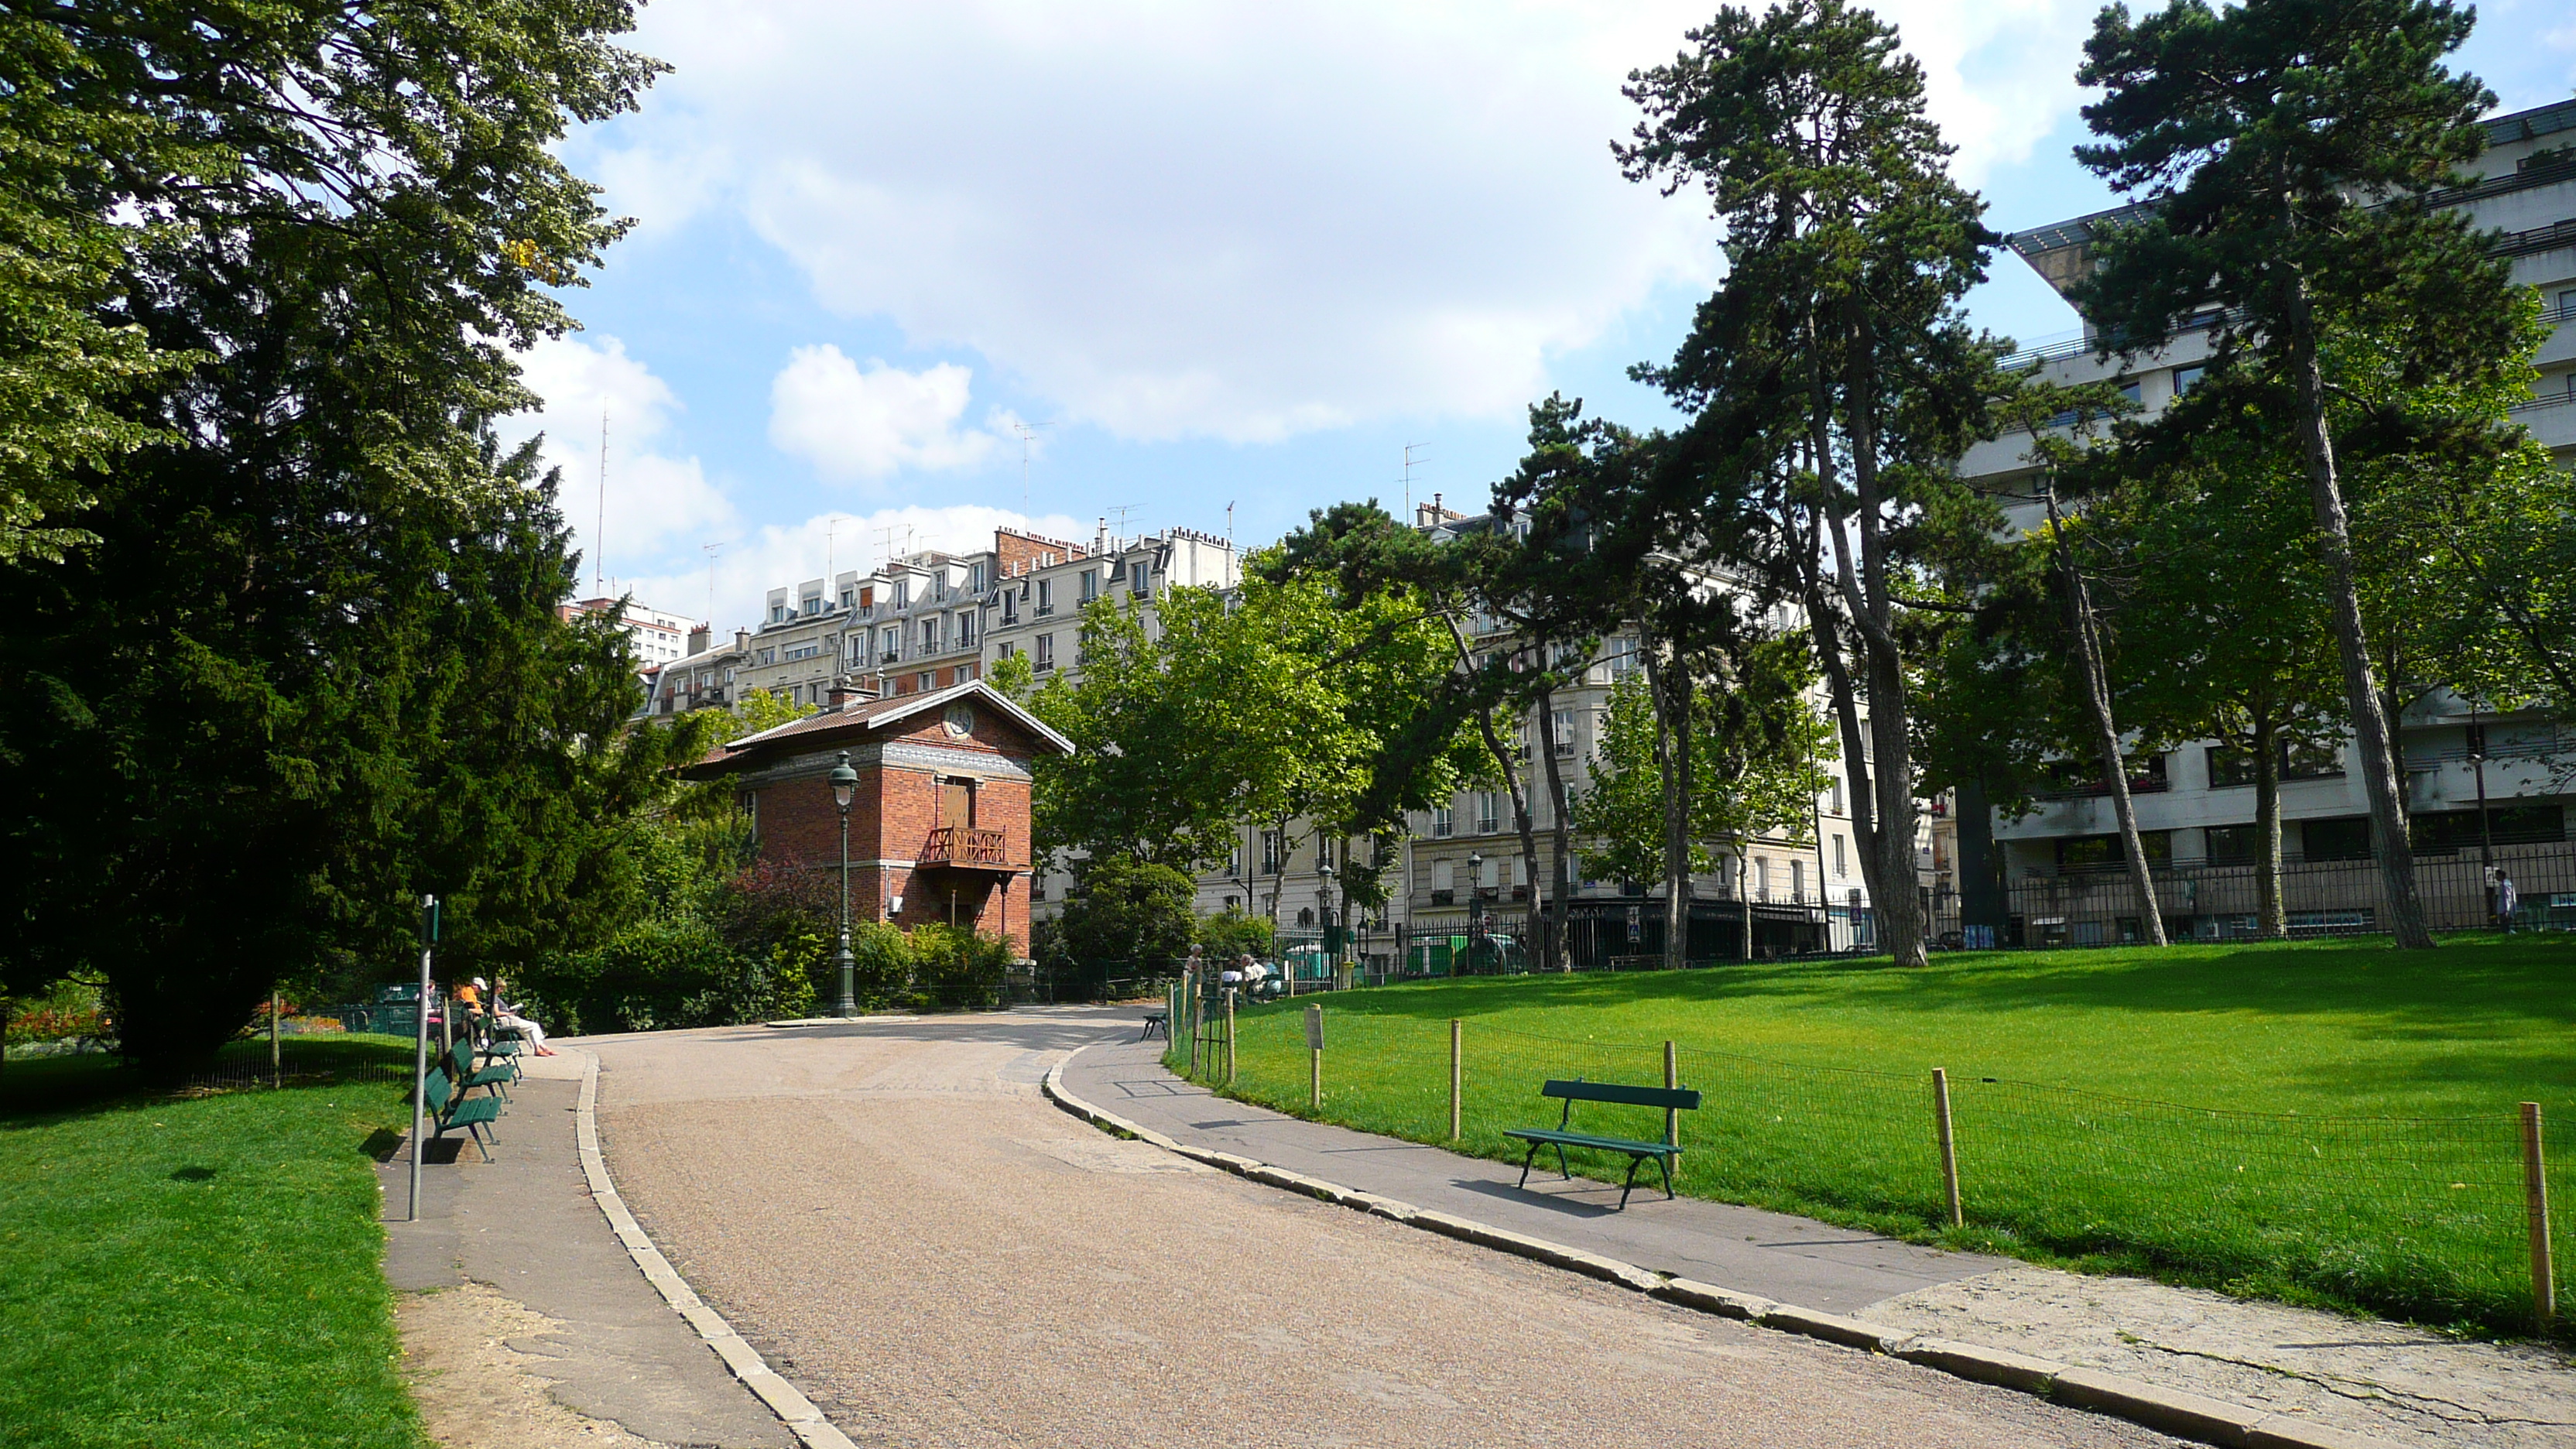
x=848, y=1004
x=420, y=1052
x=2535, y=1191
x=1949, y=1148
x=1457, y=1047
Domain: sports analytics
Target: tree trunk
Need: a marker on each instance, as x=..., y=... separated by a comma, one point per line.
x=1838, y=685
x=1511, y=784
x=1892, y=751
x=2370, y=725
x=2106, y=731
x=1744, y=897
x=1561, y=890
x=1669, y=688
x=2271, y=913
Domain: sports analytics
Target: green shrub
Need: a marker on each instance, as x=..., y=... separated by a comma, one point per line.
x=956, y=969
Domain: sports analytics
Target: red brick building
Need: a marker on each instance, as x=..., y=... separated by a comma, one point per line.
x=940, y=819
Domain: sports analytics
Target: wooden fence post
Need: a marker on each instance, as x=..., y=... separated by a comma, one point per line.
x=1457, y=1047
x=2535, y=1192
x=1229, y=1038
x=276, y=1075
x=1314, y=1059
x=1949, y=1148
x=1190, y=1019
x=1672, y=1080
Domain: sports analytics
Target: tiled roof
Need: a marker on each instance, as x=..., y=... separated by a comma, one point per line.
x=876, y=713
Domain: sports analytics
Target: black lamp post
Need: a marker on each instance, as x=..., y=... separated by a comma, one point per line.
x=845, y=785
x=1324, y=898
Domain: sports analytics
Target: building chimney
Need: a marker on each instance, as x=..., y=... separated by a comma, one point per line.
x=700, y=636
x=847, y=692
x=742, y=641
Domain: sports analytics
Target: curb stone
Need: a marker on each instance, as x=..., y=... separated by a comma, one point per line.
x=793, y=1409
x=2172, y=1411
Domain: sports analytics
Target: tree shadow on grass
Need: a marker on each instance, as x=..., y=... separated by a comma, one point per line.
x=2468, y=982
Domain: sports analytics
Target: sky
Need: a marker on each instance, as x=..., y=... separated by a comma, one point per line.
x=900, y=273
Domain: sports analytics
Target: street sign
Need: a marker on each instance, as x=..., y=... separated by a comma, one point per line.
x=1314, y=1028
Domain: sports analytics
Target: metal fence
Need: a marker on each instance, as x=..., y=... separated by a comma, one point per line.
x=2206, y=901
x=2428, y=1218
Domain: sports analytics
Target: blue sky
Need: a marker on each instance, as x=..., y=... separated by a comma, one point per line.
x=1180, y=256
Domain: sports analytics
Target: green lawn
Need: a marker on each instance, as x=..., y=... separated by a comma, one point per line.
x=204, y=1271
x=2324, y=1122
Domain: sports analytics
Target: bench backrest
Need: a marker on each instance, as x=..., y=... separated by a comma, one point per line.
x=435, y=1091
x=1579, y=1090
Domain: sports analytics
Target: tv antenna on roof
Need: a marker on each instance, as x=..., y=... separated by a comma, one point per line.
x=1409, y=461
x=711, y=550
x=1028, y=433
x=885, y=540
x=1118, y=518
x=599, y=531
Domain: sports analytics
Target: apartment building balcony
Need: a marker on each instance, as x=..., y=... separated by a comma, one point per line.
x=964, y=847
x=2551, y=420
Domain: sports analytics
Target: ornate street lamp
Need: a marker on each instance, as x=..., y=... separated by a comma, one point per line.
x=845, y=786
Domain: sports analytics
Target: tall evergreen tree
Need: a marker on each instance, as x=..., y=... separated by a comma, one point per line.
x=1837, y=340
x=2289, y=151
x=309, y=665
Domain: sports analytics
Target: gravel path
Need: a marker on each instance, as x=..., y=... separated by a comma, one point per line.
x=936, y=1256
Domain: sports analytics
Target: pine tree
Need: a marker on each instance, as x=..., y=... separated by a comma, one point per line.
x=1835, y=351
x=2288, y=152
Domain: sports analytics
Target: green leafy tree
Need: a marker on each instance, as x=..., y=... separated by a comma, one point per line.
x=764, y=709
x=1127, y=910
x=306, y=665
x=1759, y=743
x=2288, y=150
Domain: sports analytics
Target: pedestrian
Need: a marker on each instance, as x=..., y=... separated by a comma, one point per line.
x=2507, y=900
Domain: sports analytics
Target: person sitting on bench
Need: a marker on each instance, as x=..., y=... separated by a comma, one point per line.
x=507, y=1017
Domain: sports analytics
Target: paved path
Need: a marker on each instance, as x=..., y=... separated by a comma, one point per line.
x=905, y=1228
x=525, y=1322
x=2397, y=1384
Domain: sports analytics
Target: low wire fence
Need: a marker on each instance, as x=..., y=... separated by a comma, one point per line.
x=2428, y=1219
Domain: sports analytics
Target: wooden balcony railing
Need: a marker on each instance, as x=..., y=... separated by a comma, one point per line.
x=963, y=845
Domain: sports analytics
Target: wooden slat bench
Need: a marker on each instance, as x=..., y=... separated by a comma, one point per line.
x=1563, y=1136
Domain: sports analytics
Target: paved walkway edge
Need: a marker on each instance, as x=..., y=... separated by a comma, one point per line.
x=2170, y=1411
x=782, y=1397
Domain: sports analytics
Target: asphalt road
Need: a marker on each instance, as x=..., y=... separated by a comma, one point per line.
x=898, y=1220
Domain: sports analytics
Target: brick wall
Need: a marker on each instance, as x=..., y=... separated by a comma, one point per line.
x=891, y=817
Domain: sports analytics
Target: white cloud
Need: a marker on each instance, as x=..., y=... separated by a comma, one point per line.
x=730, y=590
x=1244, y=221
x=651, y=499
x=854, y=424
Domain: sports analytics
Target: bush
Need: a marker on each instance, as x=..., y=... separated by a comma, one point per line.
x=1123, y=909
x=1231, y=933
x=956, y=969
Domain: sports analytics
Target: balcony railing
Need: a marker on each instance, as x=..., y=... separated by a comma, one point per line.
x=963, y=845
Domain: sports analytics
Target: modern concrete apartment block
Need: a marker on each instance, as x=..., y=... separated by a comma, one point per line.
x=2054, y=875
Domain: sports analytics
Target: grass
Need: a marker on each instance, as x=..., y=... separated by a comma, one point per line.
x=2330, y=1123
x=196, y=1270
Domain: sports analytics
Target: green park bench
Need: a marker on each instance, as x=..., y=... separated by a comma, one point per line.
x=461, y=1069
x=1562, y=1136
x=449, y=1110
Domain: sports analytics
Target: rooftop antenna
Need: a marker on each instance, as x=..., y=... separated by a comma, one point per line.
x=831, y=532
x=1119, y=511
x=599, y=531
x=711, y=550
x=1409, y=461
x=1028, y=433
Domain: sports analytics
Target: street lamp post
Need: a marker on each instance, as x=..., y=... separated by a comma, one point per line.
x=1475, y=907
x=845, y=785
